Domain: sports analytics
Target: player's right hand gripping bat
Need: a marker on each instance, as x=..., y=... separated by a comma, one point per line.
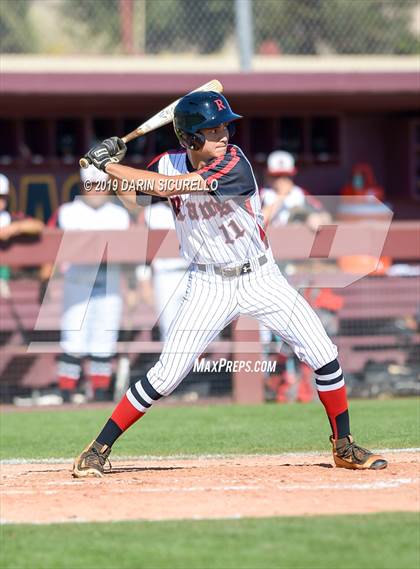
x=161, y=118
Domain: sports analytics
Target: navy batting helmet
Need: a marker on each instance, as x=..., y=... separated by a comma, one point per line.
x=201, y=109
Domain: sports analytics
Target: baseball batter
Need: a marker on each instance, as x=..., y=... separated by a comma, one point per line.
x=217, y=215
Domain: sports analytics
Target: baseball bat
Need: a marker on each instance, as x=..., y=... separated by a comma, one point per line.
x=161, y=118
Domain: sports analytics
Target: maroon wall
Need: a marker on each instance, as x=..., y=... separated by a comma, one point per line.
x=376, y=112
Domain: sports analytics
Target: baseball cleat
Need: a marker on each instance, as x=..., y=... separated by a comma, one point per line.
x=347, y=454
x=92, y=461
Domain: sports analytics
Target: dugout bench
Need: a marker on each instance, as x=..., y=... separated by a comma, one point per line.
x=28, y=356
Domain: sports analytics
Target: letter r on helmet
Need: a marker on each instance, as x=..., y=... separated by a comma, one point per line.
x=220, y=104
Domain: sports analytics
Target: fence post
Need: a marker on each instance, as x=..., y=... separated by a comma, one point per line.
x=247, y=386
x=126, y=25
x=244, y=33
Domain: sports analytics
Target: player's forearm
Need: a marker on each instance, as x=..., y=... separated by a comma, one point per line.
x=28, y=227
x=128, y=199
x=129, y=202
x=268, y=213
x=46, y=271
x=133, y=181
x=32, y=226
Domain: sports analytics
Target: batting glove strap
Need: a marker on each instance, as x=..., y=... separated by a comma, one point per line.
x=99, y=156
x=116, y=147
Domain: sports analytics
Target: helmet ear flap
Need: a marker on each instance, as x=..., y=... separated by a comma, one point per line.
x=192, y=141
x=197, y=141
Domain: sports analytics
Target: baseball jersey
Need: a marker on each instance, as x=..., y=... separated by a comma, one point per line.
x=5, y=219
x=296, y=199
x=79, y=215
x=223, y=226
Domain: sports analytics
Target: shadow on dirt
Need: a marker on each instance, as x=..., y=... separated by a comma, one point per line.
x=122, y=469
x=319, y=464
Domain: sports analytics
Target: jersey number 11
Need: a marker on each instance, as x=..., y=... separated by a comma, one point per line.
x=235, y=232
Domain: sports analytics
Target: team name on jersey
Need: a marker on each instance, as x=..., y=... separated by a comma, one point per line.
x=195, y=211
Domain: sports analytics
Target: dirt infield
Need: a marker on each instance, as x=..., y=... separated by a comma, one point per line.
x=207, y=487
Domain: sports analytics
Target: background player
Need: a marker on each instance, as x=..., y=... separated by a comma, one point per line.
x=92, y=303
x=218, y=220
x=12, y=225
x=283, y=202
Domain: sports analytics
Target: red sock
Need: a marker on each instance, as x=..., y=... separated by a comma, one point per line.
x=130, y=409
x=67, y=383
x=100, y=381
x=336, y=406
x=329, y=382
x=125, y=414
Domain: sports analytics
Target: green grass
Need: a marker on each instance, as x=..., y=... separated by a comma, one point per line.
x=384, y=541
x=217, y=429
x=380, y=541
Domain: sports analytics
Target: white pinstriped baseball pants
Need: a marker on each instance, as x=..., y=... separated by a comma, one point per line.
x=211, y=302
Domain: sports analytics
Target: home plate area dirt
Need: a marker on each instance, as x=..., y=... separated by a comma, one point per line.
x=207, y=487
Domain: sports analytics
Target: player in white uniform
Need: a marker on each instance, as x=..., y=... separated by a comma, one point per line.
x=92, y=303
x=12, y=225
x=218, y=219
x=284, y=201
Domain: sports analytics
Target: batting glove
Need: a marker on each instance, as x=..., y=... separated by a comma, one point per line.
x=99, y=156
x=109, y=150
x=116, y=147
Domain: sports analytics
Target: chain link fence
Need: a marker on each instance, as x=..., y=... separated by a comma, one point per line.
x=174, y=27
